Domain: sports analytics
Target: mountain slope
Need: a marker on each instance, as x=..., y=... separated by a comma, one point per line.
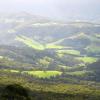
x=37, y=43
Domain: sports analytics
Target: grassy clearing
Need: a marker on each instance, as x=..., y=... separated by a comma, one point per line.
x=38, y=74
x=87, y=59
x=71, y=52
x=79, y=73
x=70, y=68
x=9, y=71
x=43, y=74
x=13, y=71
x=30, y=42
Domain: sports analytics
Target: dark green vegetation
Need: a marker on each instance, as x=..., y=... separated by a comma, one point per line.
x=15, y=92
x=51, y=60
x=20, y=88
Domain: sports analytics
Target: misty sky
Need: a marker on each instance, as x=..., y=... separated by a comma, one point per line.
x=59, y=9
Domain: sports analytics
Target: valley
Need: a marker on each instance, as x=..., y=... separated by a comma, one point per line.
x=52, y=59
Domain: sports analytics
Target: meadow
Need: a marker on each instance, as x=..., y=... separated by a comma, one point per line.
x=43, y=74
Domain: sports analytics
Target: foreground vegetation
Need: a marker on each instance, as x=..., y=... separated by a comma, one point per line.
x=44, y=91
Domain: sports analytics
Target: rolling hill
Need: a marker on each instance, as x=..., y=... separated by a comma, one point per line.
x=41, y=50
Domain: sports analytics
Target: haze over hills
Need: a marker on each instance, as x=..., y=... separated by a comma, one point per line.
x=40, y=49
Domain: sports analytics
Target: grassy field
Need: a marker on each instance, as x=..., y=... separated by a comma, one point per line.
x=87, y=59
x=30, y=42
x=71, y=52
x=39, y=74
x=43, y=74
x=9, y=71
x=79, y=73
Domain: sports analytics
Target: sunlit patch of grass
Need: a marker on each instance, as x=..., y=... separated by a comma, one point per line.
x=14, y=71
x=43, y=74
x=9, y=70
x=79, y=73
x=30, y=42
x=87, y=59
x=71, y=52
